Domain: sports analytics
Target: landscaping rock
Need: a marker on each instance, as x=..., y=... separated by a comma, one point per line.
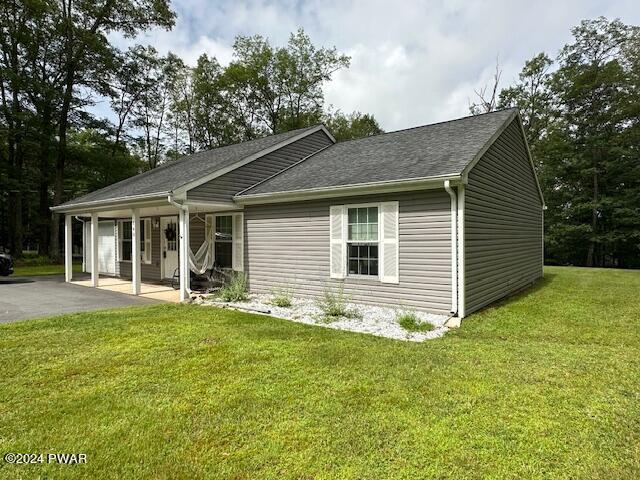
x=375, y=320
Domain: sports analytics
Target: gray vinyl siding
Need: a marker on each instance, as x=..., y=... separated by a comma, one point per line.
x=503, y=223
x=287, y=245
x=226, y=186
x=149, y=271
x=196, y=231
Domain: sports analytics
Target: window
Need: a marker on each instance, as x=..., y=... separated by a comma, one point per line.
x=125, y=234
x=224, y=241
x=145, y=240
x=362, y=241
x=125, y=240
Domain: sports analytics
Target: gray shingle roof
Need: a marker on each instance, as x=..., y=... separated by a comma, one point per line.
x=172, y=175
x=432, y=150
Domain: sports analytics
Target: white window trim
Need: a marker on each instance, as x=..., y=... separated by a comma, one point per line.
x=346, y=242
x=213, y=233
x=147, y=251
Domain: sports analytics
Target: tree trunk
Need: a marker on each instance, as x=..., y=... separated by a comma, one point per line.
x=591, y=253
x=58, y=183
x=43, y=187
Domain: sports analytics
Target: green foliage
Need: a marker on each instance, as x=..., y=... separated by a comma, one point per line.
x=411, y=323
x=280, y=86
x=544, y=385
x=334, y=304
x=281, y=297
x=235, y=290
x=581, y=121
x=352, y=126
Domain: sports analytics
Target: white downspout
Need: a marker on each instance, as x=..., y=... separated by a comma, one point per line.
x=183, y=250
x=454, y=247
x=461, y=252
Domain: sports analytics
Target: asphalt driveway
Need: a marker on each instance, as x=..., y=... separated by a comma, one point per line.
x=22, y=298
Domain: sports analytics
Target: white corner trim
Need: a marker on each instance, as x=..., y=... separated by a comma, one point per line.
x=454, y=246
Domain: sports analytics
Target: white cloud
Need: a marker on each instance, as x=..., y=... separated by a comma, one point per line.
x=413, y=62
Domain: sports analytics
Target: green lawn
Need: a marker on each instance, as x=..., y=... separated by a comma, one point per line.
x=545, y=385
x=44, y=269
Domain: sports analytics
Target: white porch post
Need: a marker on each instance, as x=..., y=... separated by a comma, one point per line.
x=183, y=252
x=135, y=251
x=95, y=275
x=68, y=249
x=84, y=247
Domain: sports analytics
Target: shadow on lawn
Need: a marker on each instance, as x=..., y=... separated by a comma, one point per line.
x=532, y=289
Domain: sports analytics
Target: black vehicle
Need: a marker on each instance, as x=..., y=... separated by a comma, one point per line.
x=6, y=264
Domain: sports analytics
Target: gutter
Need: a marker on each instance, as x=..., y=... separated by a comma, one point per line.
x=346, y=190
x=106, y=203
x=454, y=247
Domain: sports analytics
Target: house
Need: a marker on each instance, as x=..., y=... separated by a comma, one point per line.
x=445, y=218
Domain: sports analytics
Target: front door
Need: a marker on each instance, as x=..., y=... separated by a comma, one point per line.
x=169, y=240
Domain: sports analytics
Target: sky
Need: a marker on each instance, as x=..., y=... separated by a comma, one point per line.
x=412, y=62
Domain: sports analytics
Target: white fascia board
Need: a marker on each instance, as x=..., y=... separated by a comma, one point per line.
x=102, y=204
x=207, y=178
x=347, y=190
x=533, y=168
x=494, y=137
x=488, y=144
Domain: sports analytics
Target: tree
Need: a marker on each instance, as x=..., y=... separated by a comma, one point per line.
x=218, y=111
x=352, y=126
x=85, y=53
x=281, y=88
x=487, y=96
x=533, y=97
x=149, y=114
x=588, y=86
x=581, y=122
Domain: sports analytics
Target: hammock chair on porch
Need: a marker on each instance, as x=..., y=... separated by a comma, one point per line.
x=205, y=275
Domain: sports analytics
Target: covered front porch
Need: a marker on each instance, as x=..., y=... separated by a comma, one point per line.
x=151, y=244
x=155, y=291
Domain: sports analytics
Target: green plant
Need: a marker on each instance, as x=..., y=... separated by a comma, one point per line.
x=281, y=297
x=334, y=304
x=235, y=290
x=411, y=323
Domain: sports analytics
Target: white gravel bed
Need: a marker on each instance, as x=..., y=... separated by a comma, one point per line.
x=380, y=321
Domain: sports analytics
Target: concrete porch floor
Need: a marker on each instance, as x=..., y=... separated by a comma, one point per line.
x=147, y=290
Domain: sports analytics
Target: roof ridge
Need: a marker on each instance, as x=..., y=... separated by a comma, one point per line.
x=428, y=125
x=184, y=157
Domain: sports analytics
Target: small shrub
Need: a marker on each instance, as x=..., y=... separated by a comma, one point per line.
x=235, y=290
x=281, y=301
x=411, y=323
x=281, y=297
x=335, y=305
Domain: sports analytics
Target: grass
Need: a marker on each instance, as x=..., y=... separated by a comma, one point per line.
x=43, y=269
x=411, y=323
x=282, y=296
x=235, y=290
x=544, y=385
x=334, y=305
x=281, y=299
